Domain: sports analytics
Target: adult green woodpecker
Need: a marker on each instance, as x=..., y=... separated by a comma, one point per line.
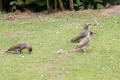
x=82, y=34
x=19, y=47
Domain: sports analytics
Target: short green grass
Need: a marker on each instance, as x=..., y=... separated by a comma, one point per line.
x=48, y=34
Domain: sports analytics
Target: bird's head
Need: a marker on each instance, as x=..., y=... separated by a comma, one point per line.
x=86, y=26
x=30, y=49
x=91, y=33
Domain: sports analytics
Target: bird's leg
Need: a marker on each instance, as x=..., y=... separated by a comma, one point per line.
x=18, y=52
x=83, y=49
x=21, y=52
x=79, y=40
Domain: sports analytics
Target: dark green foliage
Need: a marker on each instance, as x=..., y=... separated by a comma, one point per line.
x=13, y=5
x=78, y=5
x=37, y=2
x=115, y=2
x=40, y=5
x=100, y=6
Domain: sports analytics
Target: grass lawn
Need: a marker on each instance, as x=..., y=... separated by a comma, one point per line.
x=50, y=33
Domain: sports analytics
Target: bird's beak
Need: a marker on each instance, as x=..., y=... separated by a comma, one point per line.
x=89, y=25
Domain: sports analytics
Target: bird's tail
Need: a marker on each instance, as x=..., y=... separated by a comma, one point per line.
x=67, y=52
x=61, y=52
x=7, y=51
x=73, y=50
x=74, y=40
x=2, y=52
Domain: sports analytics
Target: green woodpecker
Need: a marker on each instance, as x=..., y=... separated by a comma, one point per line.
x=83, y=33
x=83, y=44
x=19, y=47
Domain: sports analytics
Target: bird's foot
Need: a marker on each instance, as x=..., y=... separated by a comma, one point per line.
x=82, y=50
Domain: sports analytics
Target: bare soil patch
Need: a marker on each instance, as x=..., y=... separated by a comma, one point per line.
x=111, y=10
x=19, y=15
x=30, y=15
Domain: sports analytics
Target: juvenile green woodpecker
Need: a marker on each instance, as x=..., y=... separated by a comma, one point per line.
x=19, y=47
x=82, y=34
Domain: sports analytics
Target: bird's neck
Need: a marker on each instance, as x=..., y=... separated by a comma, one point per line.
x=26, y=46
x=89, y=36
x=85, y=28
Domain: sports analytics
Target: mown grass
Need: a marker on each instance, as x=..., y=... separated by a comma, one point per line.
x=47, y=35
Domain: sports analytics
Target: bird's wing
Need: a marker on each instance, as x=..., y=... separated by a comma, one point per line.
x=75, y=38
x=12, y=48
x=82, y=34
x=22, y=45
x=83, y=42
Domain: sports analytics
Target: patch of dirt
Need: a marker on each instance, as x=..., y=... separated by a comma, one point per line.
x=19, y=15
x=111, y=10
x=47, y=67
x=51, y=17
x=15, y=34
x=52, y=67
